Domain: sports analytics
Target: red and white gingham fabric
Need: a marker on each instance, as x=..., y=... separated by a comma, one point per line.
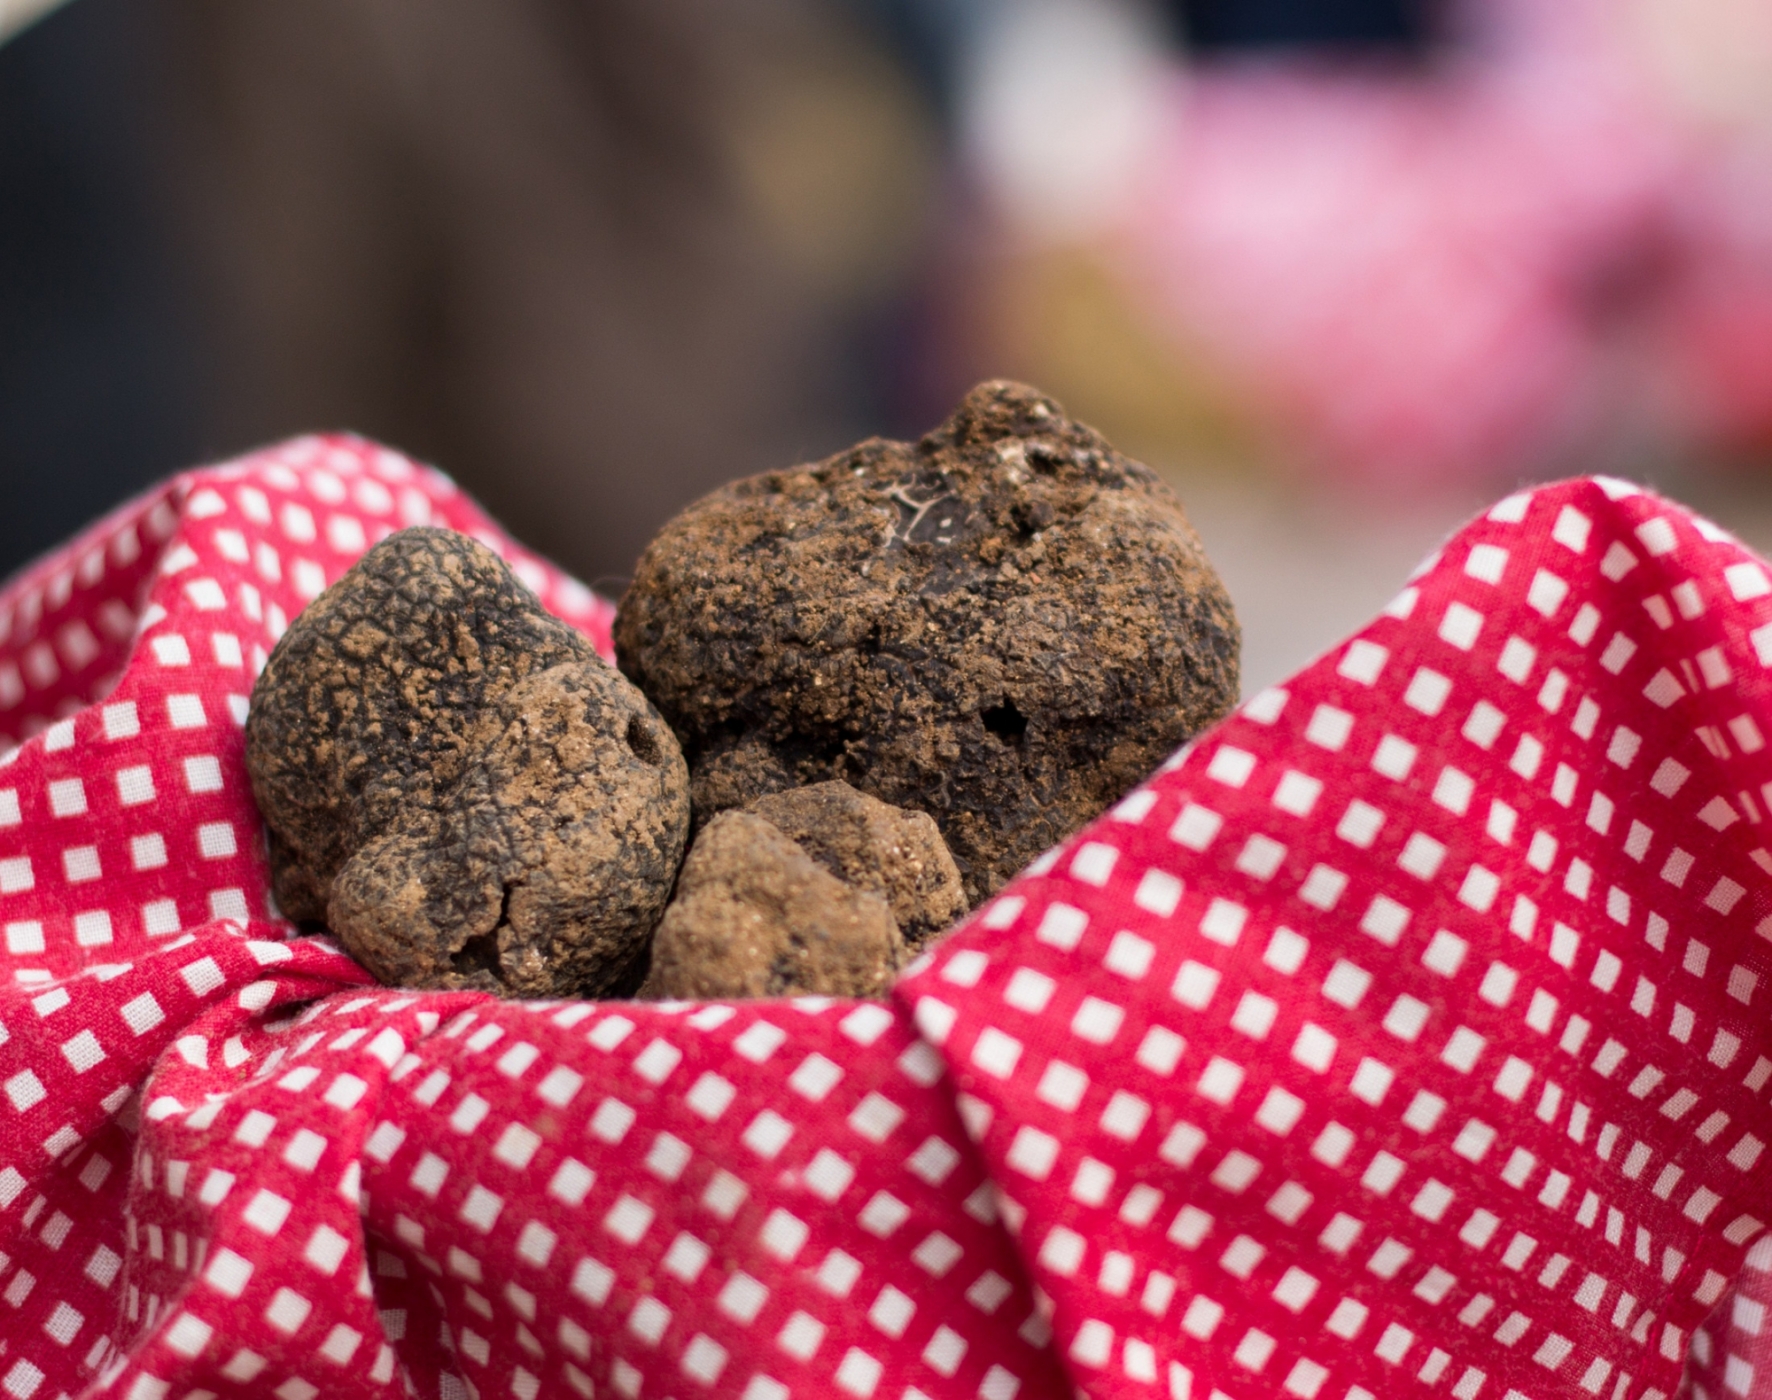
x=1405, y=1035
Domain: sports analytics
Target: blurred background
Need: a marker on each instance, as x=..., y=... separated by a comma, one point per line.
x=1343, y=270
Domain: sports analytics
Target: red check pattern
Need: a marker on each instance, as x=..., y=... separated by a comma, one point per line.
x=1404, y=1035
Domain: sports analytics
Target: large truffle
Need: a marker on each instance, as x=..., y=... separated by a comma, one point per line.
x=756, y=916
x=1004, y=625
x=458, y=785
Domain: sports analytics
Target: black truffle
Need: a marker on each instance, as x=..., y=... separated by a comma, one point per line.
x=756, y=916
x=1004, y=625
x=458, y=785
x=887, y=851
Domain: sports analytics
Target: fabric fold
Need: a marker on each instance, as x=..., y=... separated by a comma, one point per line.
x=1408, y=1031
x=1404, y=1034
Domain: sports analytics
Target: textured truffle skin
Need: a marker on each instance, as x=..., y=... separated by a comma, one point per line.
x=458, y=785
x=868, y=845
x=756, y=916
x=1004, y=625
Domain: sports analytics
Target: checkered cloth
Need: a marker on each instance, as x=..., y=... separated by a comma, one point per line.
x=1405, y=1035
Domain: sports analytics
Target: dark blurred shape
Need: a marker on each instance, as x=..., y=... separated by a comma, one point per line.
x=592, y=259
x=1216, y=26
x=931, y=39
x=98, y=370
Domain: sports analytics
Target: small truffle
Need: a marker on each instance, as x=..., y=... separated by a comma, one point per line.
x=868, y=845
x=755, y=916
x=458, y=786
x=1004, y=625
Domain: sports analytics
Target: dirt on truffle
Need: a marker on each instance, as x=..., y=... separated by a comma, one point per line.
x=458, y=786
x=756, y=916
x=868, y=845
x=1005, y=625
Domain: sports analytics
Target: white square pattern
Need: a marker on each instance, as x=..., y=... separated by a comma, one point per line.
x=1400, y=1034
x=1467, y=888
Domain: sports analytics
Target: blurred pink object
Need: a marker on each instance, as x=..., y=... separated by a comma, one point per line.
x=1523, y=257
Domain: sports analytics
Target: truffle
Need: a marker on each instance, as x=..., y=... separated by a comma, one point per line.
x=868, y=845
x=1004, y=625
x=756, y=916
x=458, y=786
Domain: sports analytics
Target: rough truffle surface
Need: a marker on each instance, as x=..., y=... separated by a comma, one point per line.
x=868, y=845
x=1004, y=625
x=458, y=785
x=756, y=916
